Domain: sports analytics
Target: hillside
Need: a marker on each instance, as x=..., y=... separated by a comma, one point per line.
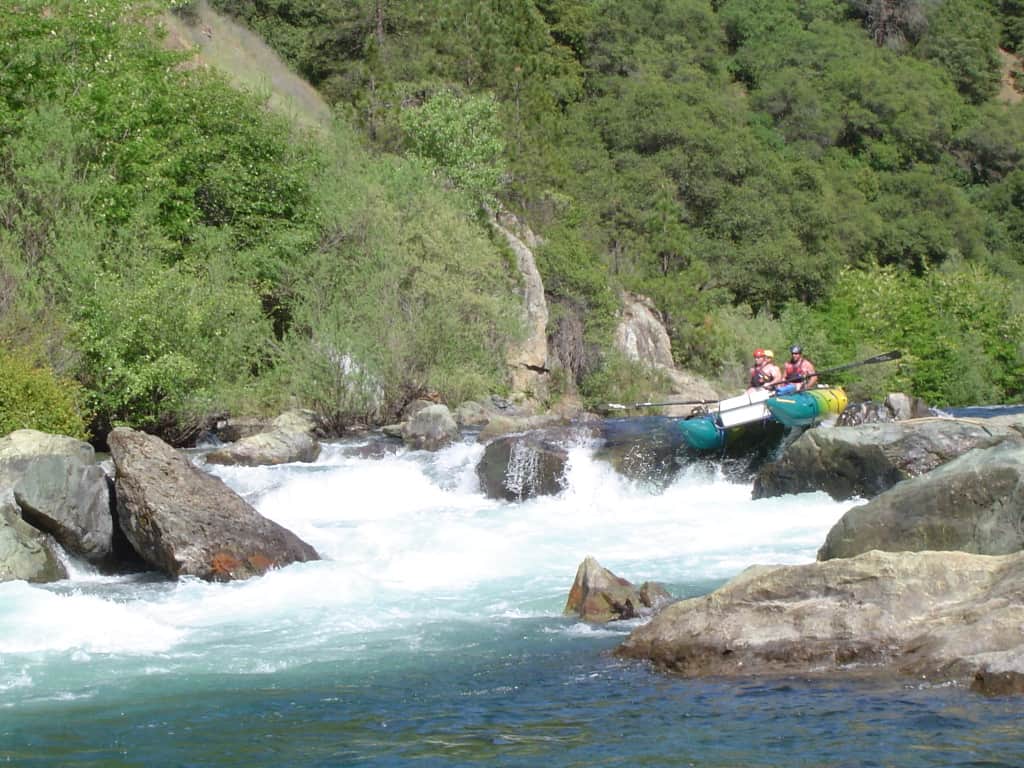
x=247, y=61
x=172, y=249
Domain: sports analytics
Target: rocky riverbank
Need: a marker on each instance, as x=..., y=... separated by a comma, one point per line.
x=925, y=579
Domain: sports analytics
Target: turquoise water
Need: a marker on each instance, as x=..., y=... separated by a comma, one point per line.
x=432, y=634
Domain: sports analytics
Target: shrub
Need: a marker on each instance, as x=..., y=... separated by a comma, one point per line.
x=35, y=398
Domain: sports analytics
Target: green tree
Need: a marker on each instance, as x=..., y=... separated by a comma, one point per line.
x=461, y=137
x=963, y=37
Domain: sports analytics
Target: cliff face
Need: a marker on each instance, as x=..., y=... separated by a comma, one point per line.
x=528, y=360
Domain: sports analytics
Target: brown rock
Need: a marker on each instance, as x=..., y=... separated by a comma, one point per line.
x=186, y=522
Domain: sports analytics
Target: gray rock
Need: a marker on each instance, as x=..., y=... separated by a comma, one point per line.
x=303, y=421
x=944, y=616
x=26, y=554
x=267, y=449
x=60, y=489
x=641, y=335
x=186, y=522
x=864, y=461
x=972, y=504
x=291, y=438
x=472, y=414
x=500, y=425
x=431, y=428
x=523, y=466
x=599, y=596
x=903, y=406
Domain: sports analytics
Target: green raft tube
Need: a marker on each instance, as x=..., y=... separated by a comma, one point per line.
x=803, y=409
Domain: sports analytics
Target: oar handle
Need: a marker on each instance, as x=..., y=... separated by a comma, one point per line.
x=622, y=407
x=883, y=358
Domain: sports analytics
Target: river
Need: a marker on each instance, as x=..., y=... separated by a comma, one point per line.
x=432, y=634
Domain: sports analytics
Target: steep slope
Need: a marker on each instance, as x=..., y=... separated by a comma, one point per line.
x=248, y=62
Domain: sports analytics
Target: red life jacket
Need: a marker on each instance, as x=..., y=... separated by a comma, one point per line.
x=800, y=371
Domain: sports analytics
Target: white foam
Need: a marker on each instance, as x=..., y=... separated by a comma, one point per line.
x=36, y=620
x=408, y=539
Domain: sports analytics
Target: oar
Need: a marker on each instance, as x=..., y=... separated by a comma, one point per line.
x=621, y=407
x=883, y=358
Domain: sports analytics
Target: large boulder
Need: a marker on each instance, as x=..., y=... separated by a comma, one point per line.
x=523, y=466
x=26, y=554
x=642, y=337
x=60, y=489
x=972, y=504
x=431, y=428
x=598, y=595
x=866, y=460
x=186, y=522
x=290, y=439
x=944, y=616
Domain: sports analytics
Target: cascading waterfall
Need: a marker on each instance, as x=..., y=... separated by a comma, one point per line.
x=521, y=478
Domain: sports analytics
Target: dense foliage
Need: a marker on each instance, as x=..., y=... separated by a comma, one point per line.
x=837, y=172
x=33, y=398
x=180, y=250
x=716, y=155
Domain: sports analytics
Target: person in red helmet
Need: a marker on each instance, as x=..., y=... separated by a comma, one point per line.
x=799, y=370
x=765, y=374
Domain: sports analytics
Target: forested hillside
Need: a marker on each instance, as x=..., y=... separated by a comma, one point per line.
x=841, y=173
x=171, y=249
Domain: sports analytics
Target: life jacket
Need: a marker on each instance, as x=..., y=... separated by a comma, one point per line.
x=799, y=372
x=759, y=376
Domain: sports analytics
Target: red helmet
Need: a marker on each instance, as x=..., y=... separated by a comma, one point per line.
x=758, y=353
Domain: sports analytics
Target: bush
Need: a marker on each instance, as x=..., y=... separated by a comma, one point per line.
x=35, y=398
x=620, y=380
x=461, y=137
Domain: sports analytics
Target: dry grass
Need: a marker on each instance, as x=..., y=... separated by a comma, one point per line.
x=249, y=63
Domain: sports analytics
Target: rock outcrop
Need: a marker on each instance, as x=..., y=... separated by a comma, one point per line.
x=185, y=522
x=641, y=336
x=972, y=504
x=598, y=595
x=291, y=438
x=26, y=554
x=60, y=490
x=939, y=615
x=866, y=460
x=528, y=360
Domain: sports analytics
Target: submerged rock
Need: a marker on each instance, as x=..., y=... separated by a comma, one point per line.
x=523, y=466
